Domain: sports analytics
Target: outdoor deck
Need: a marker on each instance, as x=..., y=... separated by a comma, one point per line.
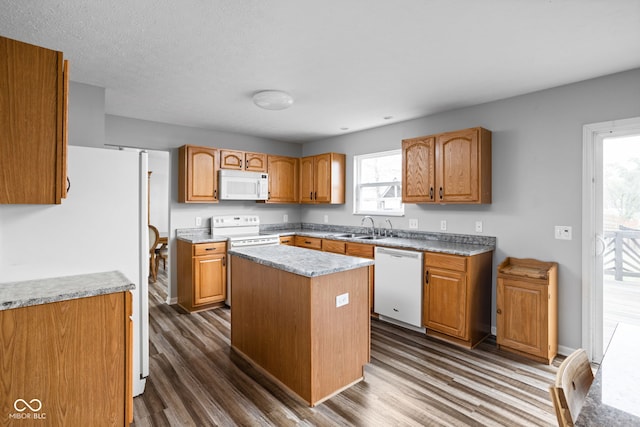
x=621, y=303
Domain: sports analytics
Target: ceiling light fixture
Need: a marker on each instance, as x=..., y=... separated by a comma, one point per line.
x=272, y=99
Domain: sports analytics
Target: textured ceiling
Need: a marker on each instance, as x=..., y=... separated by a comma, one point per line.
x=347, y=63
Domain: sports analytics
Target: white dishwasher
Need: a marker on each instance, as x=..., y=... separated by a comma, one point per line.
x=398, y=285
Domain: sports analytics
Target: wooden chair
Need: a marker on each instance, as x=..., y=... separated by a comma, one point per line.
x=154, y=237
x=162, y=253
x=572, y=384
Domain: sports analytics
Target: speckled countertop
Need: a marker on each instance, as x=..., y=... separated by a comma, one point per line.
x=302, y=261
x=43, y=291
x=448, y=243
x=613, y=396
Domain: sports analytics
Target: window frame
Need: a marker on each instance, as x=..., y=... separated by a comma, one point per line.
x=357, y=158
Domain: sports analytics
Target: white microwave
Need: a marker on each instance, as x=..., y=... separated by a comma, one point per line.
x=242, y=185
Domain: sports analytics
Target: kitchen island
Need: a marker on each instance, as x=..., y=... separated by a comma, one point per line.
x=66, y=355
x=301, y=317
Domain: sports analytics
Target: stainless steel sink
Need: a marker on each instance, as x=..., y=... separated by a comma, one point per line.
x=370, y=237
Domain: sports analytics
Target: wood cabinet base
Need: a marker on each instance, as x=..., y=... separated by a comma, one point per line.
x=289, y=325
x=73, y=357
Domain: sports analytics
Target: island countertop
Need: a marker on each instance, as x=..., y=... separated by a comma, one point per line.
x=43, y=291
x=302, y=261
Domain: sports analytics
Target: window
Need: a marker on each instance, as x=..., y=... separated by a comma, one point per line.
x=378, y=183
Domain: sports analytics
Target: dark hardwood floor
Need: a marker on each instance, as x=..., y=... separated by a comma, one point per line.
x=196, y=380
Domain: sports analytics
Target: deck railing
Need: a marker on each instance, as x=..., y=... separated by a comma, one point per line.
x=622, y=253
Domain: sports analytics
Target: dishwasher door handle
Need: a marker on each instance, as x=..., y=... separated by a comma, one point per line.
x=398, y=253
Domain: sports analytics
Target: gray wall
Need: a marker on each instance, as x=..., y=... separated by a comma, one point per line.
x=537, y=175
x=86, y=115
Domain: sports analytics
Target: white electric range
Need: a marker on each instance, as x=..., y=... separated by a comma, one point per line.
x=240, y=231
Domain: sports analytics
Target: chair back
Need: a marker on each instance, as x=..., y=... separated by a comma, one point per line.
x=573, y=381
x=154, y=238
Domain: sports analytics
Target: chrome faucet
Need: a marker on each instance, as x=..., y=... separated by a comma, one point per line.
x=373, y=225
x=388, y=221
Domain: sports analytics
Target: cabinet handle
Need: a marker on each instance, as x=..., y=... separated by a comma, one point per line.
x=426, y=277
x=431, y=193
x=499, y=311
x=215, y=193
x=224, y=261
x=307, y=242
x=311, y=195
x=440, y=193
x=209, y=249
x=315, y=196
x=68, y=184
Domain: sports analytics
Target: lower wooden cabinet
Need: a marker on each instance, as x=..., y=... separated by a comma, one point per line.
x=68, y=363
x=364, y=250
x=287, y=240
x=527, y=308
x=457, y=297
x=202, y=275
x=308, y=242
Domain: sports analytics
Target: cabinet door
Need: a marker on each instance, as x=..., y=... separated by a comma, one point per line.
x=457, y=158
x=210, y=279
x=283, y=179
x=444, y=306
x=521, y=317
x=322, y=178
x=230, y=159
x=306, y=179
x=33, y=100
x=418, y=170
x=198, y=174
x=255, y=162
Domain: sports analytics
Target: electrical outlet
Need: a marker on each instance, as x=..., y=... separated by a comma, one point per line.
x=563, y=232
x=342, y=300
x=326, y=219
x=413, y=223
x=285, y=218
x=478, y=226
x=198, y=221
x=443, y=225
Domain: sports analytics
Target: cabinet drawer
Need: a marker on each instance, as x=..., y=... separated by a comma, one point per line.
x=362, y=250
x=287, y=240
x=449, y=262
x=335, y=246
x=209, y=248
x=309, y=242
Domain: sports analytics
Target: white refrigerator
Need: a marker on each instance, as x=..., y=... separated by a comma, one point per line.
x=100, y=226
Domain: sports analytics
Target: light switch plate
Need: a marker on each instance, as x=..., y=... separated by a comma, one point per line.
x=198, y=221
x=326, y=219
x=478, y=226
x=563, y=232
x=285, y=218
x=413, y=223
x=443, y=225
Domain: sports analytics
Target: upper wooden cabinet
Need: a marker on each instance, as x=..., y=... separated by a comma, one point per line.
x=322, y=178
x=197, y=174
x=283, y=179
x=452, y=167
x=33, y=119
x=242, y=160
